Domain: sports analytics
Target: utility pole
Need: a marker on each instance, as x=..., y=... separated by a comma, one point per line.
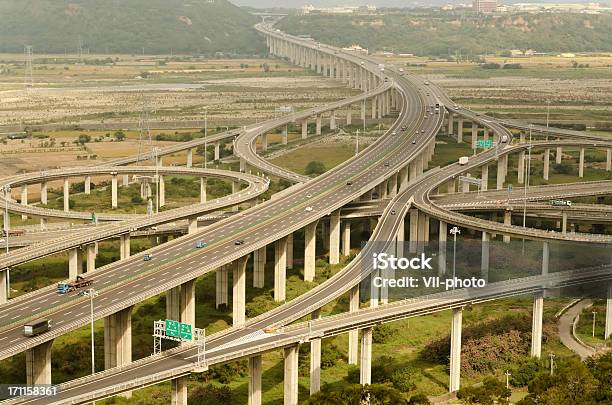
x=507, y=374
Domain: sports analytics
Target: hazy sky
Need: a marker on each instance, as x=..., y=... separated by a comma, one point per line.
x=378, y=3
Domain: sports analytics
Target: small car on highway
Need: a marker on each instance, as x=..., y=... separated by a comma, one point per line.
x=239, y=242
x=147, y=257
x=200, y=244
x=308, y=209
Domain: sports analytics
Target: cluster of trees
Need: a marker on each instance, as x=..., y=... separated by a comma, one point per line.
x=487, y=346
x=132, y=27
x=442, y=34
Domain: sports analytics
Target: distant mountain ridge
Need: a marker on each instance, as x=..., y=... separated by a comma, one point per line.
x=128, y=26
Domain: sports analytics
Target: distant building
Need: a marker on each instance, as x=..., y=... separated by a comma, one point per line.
x=516, y=52
x=484, y=6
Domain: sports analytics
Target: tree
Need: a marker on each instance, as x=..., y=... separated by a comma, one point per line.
x=83, y=139
x=315, y=167
x=119, y=135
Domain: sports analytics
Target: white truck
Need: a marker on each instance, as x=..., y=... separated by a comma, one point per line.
x=463, y=160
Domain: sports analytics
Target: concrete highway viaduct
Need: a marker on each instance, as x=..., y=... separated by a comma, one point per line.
x=397, y=161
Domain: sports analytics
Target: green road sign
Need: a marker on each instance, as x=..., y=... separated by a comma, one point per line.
x=185, y=331
x=485, y=143
x=172, y=328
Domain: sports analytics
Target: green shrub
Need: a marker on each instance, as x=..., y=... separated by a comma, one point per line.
x=405, y=379
x=382, y=333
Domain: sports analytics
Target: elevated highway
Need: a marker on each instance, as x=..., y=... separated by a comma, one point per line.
x=397, y=160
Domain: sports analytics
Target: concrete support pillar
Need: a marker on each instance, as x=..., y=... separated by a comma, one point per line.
x=203, y=181
x=38, y=364
x=559, y=155
x=581, y=164
x=460, y=130
x=315, y=360
x=75, y=267
x=414, y=230
x=24, y=198
x=280, y=269
x=374, y=101
x=450, y=124
x=349, y=118
x=304, y=129
x=334, y=237
x=500, y=173
x=118, y=338
x=474, y=135
x=290, y=251
x=291, y=375
x=332, y=120
x=564, y=222
x=43, y=193
x=507, y=221
x=285, y=134
x=346, y=239
x=521, y=167
x=546, y=163
x=192, y=225
x=124, y=246
x=66, y=195
x=363, y=111
x=403, y=178
x=450, y=186
x=88, y=185
x=221, y=281
x=393, y=186
x=536, y=325
x=484, y=178
x=442, y=238
x=259, y=265
x=91, y=257
x=608, y=159
x=187, y=302
x=217, y=151
x=455, y=350
x=354, y=333
x=190, y=157
x=114, y=191
x=255, y=370
x=243, y=165
x=545, y=257
x=318, y=120
x=239, y=291
x=264, y=142
x=484, y=258
x=125, y=180
x=608, y=328
x=365, y=375
x=179, y=391
x=310, y=240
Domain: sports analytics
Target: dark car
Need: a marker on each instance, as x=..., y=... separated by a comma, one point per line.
x=392, y=212
x=349, y=183
x=239, y=242
x=414, y=142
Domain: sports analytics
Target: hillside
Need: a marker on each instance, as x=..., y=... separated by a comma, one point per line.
x=128, y=26
x=438, y=33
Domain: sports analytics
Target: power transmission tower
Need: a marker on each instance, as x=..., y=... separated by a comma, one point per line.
x=144, y=129
x=28, y=54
